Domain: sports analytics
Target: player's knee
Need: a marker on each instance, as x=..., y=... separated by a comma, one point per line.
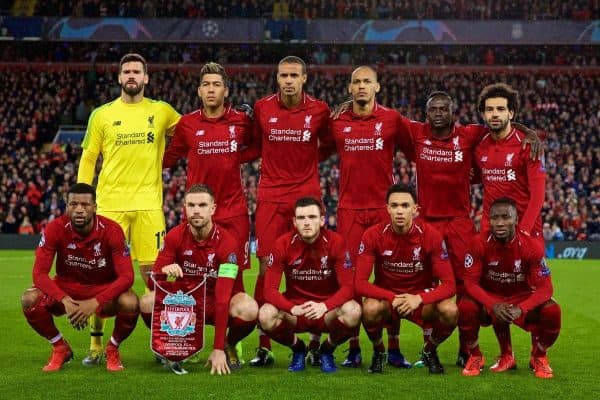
x=372, y=309
x=128, y=302
x=448, y=312
x=350, y=313
x=30, y=298
x=550, y=314
x=244, y=307
x=267, y=317
x=147, y=303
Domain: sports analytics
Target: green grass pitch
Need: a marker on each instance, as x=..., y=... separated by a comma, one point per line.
x=574, y=358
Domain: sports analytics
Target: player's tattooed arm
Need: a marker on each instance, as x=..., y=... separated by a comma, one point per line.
x=339, y=109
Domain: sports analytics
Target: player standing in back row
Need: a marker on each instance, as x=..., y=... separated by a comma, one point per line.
x=288, y=127
x=129, y=133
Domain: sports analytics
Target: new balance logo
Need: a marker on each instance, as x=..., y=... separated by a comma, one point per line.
x=387, y=253
x=428, y=142
x=511, y=175
x=379, y=144
x=347, y=129
x=116, y=123
x=188, y=252
x=71, y=246
x=200, y=132
x=483, y=159
x=272, y=120
x=297, y=262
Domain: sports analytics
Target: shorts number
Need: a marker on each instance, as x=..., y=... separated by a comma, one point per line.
x=158, y=236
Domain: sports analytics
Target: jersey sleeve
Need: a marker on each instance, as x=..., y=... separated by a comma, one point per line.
x=178, y=147
x=539, y=279
x=442, y=270
x=92, y=147
x=254, y=148
x=536, y=178
x=273, y=274
x=344, y=274
x=226, y=276
x=365, y=261
x=172, y=118
x=405, y=137
x=473, y=269
x=44, y=255
x=325, y=135
x=122, y=264
x=476, y=132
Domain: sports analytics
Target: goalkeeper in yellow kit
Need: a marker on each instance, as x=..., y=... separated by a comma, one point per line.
x=129, y=132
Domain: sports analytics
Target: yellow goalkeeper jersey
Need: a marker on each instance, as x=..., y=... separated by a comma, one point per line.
x=131, y=140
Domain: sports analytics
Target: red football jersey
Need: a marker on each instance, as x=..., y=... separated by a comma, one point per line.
x=288, y=140
x=510, y=269
x=443, y=168
x=508, y=171
x=366, y=147
x=204, y=258
x=99, y=258
x=319, y=271
x=406, y=263
x=212, y=147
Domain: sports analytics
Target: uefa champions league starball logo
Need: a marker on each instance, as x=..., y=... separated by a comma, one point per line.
x=210, y=29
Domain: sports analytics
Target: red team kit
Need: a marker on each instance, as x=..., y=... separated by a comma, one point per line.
x=438, y=257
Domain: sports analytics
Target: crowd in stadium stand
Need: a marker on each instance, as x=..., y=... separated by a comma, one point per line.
x=311, y=9
x=191, y=54
x=565, y=107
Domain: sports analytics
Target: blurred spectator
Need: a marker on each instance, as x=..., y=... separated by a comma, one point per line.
x=35, y=176
x=283, y=9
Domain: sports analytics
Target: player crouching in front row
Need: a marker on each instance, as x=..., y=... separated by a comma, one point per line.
x=319, y=279
x=200, y=247
x=409, y=259
x=508, y=282
x=94, y=275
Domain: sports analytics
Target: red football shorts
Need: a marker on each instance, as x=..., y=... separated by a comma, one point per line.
x=272, y=221
x=416, y=317
x=521, y=321
x=458, y=234
x=239, y=228
x=351, y=224
x=77, y=292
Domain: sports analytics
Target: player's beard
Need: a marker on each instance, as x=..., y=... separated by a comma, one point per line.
x=82, y=226
x=132, y=90
x=499, y=129
x=362, y=102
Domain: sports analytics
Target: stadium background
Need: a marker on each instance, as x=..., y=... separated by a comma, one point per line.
x=58, y=60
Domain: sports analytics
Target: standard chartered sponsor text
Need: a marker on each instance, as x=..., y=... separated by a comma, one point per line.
x=124, y=139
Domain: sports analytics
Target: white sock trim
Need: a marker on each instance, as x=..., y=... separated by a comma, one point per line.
x=55, y=338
